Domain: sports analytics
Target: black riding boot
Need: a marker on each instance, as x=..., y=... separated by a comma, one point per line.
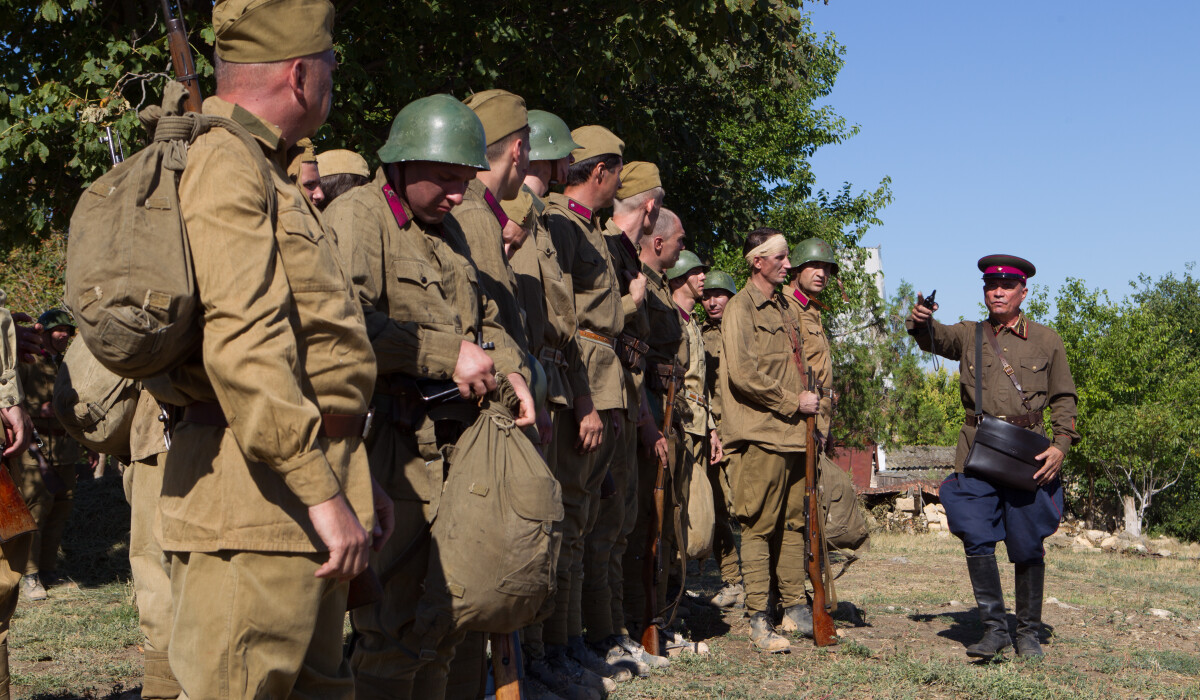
x=989, y=596
x=1030, y=581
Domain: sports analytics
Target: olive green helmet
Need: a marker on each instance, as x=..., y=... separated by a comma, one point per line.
x=718, y=279
x=549, y=136
x=55, y=318
x=438, y=129
x=812, y=250
x=687, y=262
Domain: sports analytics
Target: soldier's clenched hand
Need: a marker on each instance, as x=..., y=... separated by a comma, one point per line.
x=591, y=428
x=528, y=414
x=810, y=402
x=18, y=430
x=338, y=527
x=1049, y=471
x=637, y=289
x=474, y=373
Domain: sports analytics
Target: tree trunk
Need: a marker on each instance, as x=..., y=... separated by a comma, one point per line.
x=1133, y=521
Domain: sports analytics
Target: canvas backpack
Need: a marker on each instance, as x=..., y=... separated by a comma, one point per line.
x=496, y=537
x=130, y=283
x=94, y=405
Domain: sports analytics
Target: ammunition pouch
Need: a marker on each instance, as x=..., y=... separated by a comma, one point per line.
x=632, y=352
x=411, y=399
x=659, y=377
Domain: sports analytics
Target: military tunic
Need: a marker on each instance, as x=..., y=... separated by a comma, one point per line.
x=11, y=393
x=817, y=354
x=763, y=429
x=724, y=544
x=978, y=512
x=283, y=343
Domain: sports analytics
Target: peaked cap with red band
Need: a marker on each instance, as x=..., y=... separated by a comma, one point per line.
x=1006, y=267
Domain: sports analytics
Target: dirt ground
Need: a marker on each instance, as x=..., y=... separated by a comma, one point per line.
x=1122, y=626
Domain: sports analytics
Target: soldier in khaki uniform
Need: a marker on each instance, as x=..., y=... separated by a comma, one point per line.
x=635, y=211
x=47, y=471
x=341, y=170
x=268, y=507
x=666, y=357
x=1025, y=377
x=305, y=172
x=143, y=479
x=437, y=337
x=763, y=405
x=548, y=299
x=572, y=217
x=719, y=288
x=18, y=431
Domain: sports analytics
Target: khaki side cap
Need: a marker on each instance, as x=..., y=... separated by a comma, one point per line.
x=500, y=111
x=341, y=161
x=266, y=31
x=595, y=140
x=637, y=177
x=518, y=208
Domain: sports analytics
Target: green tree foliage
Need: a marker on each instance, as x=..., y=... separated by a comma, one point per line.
x=722, y=95
x=1137, y=371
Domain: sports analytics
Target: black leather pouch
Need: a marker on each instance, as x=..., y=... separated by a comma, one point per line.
x=1003, y=454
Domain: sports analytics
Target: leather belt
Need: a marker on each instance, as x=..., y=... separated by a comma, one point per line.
x=1026, y=420
x=595, y=337
x=333, y=425
x=665, y=371
x=553, y=356
x=698, y=398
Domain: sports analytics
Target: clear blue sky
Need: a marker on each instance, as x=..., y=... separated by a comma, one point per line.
x=1066, y=132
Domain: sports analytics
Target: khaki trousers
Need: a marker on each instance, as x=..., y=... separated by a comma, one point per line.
x=603, y=598
x=257, y=625
x=724, y=544
x=768, y=501
x=151, y=576
x=391, y=658
x=635, y=553
x=12, y=565
x=49, y=510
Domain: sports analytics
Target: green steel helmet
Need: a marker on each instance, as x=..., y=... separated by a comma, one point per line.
x=812, y=250
x=438, y=129
x=549, y=136
x=55, y=318
x=687, y=262
x=719, y=279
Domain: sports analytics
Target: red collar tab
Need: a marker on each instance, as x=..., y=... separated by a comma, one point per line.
x=397, y=207
x=800, y=297
x=579, y=209
x=495, y=205
x=685, y=315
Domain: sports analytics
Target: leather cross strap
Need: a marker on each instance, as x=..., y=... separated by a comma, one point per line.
x=333, y=425
x=1008, y=369
x=789, y=324
x=553, y=356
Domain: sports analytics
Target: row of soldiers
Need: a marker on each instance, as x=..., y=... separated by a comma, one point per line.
x=345, y=352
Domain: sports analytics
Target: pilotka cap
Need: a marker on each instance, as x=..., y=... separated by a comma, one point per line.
x=341, y=161
x=265, y=31
x=500, y=111
x=637, y=177
x=595, y=141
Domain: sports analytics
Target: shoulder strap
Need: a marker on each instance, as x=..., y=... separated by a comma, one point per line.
x=791, y=326
x=1012, y=375
x=979, y=368
x=264, y=167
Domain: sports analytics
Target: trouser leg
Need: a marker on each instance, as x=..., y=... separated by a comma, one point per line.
x=467, y=679
x=627, y=489
x=724, y=544
x=573, y=471
x=56, y=519
x=600, y=544
x=151, y=577
x=257, y=624
x=12, y=565
x=39, y=501
x=765, y=502
x=595, y=478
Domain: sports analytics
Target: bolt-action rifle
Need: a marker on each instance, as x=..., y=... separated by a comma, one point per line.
x=508, y=669
x=652, y=567
x=181, y=57
x=814, y=536
x=15, y=519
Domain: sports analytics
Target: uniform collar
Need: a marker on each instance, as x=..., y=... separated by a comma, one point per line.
x=684, y=314
x=399, y=207
x=756, y=295
x=656, y=277
x=263, y=131
x=480, y=190
x=579, y=210
x=1019, y=329
x=801, y=297
x=538, y=202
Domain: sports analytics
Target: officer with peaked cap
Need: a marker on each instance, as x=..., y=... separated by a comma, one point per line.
x=268, y=508
x=979, y=512
x=429, y=323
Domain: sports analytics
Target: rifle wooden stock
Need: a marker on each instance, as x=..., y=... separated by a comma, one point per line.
x=823, y=629
x=181, y=58
x=508, y=671
x=15, y=519
x=652, y=566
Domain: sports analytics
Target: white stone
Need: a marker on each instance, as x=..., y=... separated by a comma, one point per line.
x=1164, y=553
x=905, y=504
x=1110, y=544
x=1159, y=612
x=1095, y=536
